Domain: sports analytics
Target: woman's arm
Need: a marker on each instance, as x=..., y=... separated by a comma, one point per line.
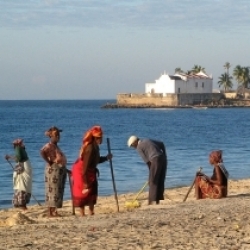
x=19, y=169
x=218, y=176
x=10, y=157
x=44, y=156
x=105, y=158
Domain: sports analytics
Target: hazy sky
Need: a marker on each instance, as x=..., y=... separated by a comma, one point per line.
x=94, y=49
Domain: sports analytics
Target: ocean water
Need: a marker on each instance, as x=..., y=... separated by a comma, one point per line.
x=189, y=136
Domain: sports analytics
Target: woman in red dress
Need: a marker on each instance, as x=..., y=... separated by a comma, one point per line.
x=84, y=171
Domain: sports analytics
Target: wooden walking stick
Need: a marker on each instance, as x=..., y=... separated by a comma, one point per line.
x=31, y=194
x=71, y=192
x=112, y=174
x=189, y=190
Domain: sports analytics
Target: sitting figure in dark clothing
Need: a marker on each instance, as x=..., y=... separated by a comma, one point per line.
x=216, y=186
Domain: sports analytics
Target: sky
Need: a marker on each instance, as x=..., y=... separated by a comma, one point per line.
x=95, y=49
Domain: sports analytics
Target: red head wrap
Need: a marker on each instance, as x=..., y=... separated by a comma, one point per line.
x=88, y=138
x=216, y=156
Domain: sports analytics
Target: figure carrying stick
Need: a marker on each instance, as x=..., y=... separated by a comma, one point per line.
x=154, y=155
x=22, y=175
x=216, y=186
x=85, y=171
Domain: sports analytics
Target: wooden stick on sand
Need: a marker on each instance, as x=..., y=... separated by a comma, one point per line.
x=112, y=173
x=189, y=190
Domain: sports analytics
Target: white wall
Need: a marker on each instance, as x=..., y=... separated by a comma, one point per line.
x=163, y=85
x=208, y=86
x=166, y=85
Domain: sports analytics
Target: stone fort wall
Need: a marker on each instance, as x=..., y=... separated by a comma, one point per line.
x=131, y=99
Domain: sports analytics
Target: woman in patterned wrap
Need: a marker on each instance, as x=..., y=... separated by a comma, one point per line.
x=55, y=172
x=22, y=175
x=84, y=171
x=216, y=186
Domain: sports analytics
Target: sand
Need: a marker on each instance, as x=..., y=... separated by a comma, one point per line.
x=174, y=224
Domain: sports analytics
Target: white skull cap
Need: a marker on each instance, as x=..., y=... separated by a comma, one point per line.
x=131, y=140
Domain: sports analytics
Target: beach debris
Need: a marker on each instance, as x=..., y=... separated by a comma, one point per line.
x=201, y=216
x=18, y=219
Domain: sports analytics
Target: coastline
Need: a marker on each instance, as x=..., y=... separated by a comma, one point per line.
x=145, y=106
x=219, y=224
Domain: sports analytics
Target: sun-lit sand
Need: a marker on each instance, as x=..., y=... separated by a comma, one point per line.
x=203, y=224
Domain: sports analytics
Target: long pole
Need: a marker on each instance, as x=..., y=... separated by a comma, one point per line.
x=31, y=194
x=71, y=192
x=112, y=174
x=141, y=190
x=189, y=190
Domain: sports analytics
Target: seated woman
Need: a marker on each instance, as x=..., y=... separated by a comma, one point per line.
x=216, y=186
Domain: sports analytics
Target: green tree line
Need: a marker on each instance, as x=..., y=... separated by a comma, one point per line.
x=240, y=74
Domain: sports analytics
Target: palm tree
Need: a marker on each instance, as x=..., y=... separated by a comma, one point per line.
x=225, y=81
x=242, y=75
x=237, y=73
x=178, y=71
x=245, y=77
x=197, y=68
x=227, y=65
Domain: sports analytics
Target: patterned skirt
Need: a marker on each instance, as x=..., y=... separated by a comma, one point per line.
x=209, y=190
x=55, y=178
x=20, y=198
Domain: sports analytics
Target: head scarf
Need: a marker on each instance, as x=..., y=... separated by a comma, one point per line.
x=18, y=142
x=216, y=156
x=53, y=131
x=89, y=136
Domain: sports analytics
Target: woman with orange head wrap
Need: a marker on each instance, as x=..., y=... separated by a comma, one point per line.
x=216, y=186
x=84, y=171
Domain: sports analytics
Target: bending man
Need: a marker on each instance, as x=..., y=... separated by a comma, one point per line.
x=154, y=155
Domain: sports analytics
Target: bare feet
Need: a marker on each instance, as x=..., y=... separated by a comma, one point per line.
x=53, y=213
x=56, y=214
x=91, y=212
x=82, y=211
x=91, y=209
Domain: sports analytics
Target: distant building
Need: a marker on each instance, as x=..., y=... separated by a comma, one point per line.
x=181, y=83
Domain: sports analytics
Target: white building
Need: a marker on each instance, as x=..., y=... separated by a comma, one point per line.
x=181, y=83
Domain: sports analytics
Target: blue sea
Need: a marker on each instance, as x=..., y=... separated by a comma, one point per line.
x=189, y=136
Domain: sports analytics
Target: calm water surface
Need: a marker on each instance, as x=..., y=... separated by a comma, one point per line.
x=188, y=134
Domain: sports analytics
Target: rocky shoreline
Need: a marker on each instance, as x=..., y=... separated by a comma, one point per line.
x=141, y=106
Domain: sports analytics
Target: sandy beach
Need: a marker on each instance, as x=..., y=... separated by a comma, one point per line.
x=174, y=224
